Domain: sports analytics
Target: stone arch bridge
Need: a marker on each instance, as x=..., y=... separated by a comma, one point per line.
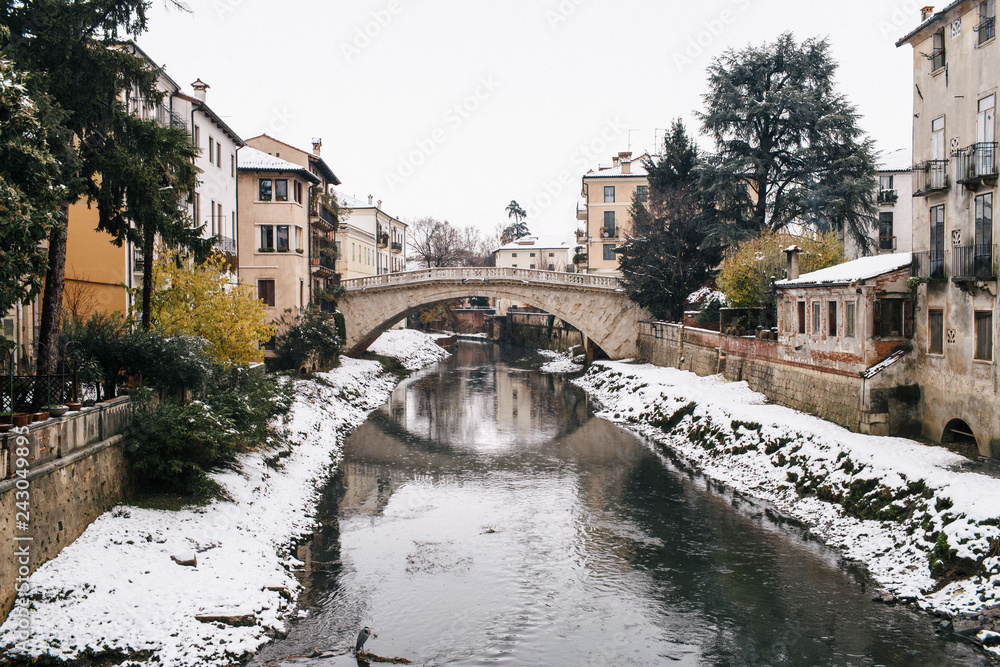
x=596, y=305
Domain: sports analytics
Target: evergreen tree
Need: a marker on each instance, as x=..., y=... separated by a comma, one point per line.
x=76, y=71
x=789, y=149
x=29, y=195
x=518, y=228
x=671, y=254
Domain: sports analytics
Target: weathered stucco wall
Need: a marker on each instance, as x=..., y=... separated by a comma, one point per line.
x=75, y=470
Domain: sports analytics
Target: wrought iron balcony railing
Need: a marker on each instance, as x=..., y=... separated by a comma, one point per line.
x=975, y=261
x=986, y=29
x=887, y=196
x=226, y=245
x=930, y=176
x=928, y=264
x=976, y=164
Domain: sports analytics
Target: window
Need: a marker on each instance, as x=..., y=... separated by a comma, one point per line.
x=211, y=212
x=197, y=136
x=532, y=266
x=609, y=194
x=532, y=254
x=609, y=252
x=817, y=314
x=211, y=149
x=513, y=254
x=802, y=317
x=935, y=328
x=281, y=189
x=983, y=251
x=218, y=155
x=937, y=242
x=298, y=192
x=642, y=192
x=937, y=53
x=984, y=335
x=786, y=316
x=987, y=21
x=885, y=182
x=298, y=237
x=197, y=208
x=282, y=237
x=267, y=237
x=265, y=292
x=889, y=316
x=609, y=225
x=832, y=318
x=850, y=317
x=232, y=165
x=886, y=239
x=271, y=344
x=264, y=189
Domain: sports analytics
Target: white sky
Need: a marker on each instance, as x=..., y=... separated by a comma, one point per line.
x=451, y=108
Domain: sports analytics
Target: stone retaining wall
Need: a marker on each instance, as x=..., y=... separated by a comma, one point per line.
x=76, y=471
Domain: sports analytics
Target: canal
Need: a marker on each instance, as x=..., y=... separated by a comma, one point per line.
x=484, y=516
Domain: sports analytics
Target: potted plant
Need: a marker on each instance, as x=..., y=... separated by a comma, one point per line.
x=41, y=415
x=300, y=250
x=282, y=249
x=5, y=418
x=57, y=410
x=265, y=249
x=74, y=406
x=21, y=419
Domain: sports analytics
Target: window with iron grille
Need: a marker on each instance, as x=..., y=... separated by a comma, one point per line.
x=937, y=55
x=987, y=21
x=642, y=192
x=984, y=335
x=935, y=328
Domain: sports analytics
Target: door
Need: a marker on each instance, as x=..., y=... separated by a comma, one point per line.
x=985, y=136
x=937, y=170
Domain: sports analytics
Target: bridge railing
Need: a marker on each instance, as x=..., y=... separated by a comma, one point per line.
x=486, y=273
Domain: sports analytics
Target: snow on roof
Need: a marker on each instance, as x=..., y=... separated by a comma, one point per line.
x=637, y=169
x=350, y=201
x=539, y=243
x=895, y=160
x=848, y=272
x=252, y=159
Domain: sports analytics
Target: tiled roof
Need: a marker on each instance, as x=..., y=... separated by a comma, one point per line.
x=251, y=159
x=849, y=272
x=538, y=243
x=895, y=160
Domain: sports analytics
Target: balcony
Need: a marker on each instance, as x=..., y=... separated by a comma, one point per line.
x=609, y=232
x=930, y=177
x=324, y=264
x=887, y=197
x=974, y=262
x=397, y=246
x=322, y=219
x=928, y=264
x=226, y=245
x=383, y=239
x=986, y=29
x=887, y=243
x=976, y=165
x=138, y=261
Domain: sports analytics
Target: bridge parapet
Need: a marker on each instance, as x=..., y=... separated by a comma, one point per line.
x=486, y=273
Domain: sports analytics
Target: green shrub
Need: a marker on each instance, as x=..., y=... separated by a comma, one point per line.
x=309, y=336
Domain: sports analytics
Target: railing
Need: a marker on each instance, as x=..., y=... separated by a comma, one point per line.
x=976, y=162
x=986, y=29
x=887, y=243
x=325, y=260
x=976, y=261
x=928, y=264
x=397, y=246
x=887, y=197
x=319, y=211
x=32, y=392
x=930, y=176
x=383, y=240
x=225, y=244
x=484, y=275
x=138, y=261
x=609, y=232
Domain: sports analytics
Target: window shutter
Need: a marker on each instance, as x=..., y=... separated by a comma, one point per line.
x=908, y=318
x=877, y=323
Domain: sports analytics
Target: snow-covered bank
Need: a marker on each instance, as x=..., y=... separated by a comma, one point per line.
x=118, y=587
x=560, y=362
x=882, y=501
x=414, y=349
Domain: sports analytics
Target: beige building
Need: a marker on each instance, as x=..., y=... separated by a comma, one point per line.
x=604, y=210
x=533, y=252
x=371, y=241
x=319, y=241
x=894, y=230
x=274, y=230
x=956, y=69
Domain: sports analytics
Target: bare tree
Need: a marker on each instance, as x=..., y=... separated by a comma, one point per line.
x=435, y=244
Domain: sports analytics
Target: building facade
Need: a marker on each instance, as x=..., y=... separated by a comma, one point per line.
x=956, y=67
x=606, y=198
x=894, y=230
x=533, y=252
x=371, y=241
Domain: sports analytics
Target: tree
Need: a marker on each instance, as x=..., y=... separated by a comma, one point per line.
x=147, y=172
x=519, y=228
x=748, y=269
x=29, y=196
x=77, y=72
x=198, y=299
x=789, y=149
x=671, y=254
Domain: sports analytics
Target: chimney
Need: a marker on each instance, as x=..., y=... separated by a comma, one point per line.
x=199, y=89
x=317, y=145
x=626, y=166
x=614, y=161
x=792, y=267
x=926, y=13
x=370, y=198
x=380, y=203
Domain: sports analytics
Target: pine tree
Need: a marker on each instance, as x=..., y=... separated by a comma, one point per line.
x=789, y=149
x=671, y=254
x=518, y=228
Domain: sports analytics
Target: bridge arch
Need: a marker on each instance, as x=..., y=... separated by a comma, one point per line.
x=596, y=305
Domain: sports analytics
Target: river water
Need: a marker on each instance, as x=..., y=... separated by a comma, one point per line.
x=484, y=516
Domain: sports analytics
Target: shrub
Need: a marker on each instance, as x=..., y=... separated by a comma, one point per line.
x=308, y=336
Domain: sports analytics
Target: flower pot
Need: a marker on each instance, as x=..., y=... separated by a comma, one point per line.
x=5, y=427
x=5, y=419
x=21, y=419
x=58, y=411
x=75, y=407
x=41, y=415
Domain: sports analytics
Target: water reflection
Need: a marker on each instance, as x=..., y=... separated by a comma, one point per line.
x=483, y=517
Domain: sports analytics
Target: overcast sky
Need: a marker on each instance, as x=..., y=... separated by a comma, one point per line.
x=451, y=108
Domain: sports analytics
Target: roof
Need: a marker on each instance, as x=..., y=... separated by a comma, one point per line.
x=933, y=18
x=321, y=164
x=849, y=272
x=899, y=159
x=538, y=243
x=214, y=117
x=353, y=203
x=637, y=169
x=251, y=159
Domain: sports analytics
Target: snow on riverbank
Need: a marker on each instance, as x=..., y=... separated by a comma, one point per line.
x=559, y=362
x=117, y=588
x=882, y=501
x=414, y=349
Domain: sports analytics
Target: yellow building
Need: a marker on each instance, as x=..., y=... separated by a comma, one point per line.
x=371, y=241
x=604, y=209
